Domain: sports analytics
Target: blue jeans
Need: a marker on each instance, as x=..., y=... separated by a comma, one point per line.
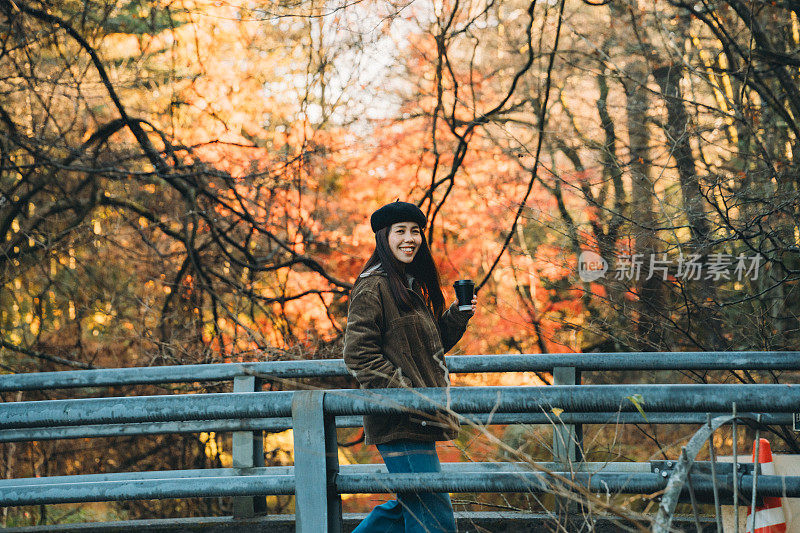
x=411, y=512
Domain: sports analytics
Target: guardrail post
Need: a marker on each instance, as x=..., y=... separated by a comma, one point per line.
x=248, y=452
x=567, y=438
x=318, y=507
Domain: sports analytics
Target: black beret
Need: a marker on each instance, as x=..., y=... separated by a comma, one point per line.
x=396, y=212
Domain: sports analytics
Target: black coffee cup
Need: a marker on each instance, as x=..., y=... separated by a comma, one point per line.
x=465, y=290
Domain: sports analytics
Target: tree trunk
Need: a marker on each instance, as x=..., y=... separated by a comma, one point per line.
x=643, y=232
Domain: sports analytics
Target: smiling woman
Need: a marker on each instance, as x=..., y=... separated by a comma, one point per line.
x=405, y=239
x=397, y=334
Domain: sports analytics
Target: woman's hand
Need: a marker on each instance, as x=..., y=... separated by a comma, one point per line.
x=474, y=304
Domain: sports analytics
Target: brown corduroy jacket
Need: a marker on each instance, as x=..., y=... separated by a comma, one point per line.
x=386, y=347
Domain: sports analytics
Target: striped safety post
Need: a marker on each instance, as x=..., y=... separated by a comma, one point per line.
x=768, y=518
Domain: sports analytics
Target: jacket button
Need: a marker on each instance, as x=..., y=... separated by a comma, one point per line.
x=424, y=423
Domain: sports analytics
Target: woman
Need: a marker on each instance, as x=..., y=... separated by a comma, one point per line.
x=397, y=334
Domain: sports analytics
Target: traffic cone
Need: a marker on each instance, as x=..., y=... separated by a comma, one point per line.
x=769, y=516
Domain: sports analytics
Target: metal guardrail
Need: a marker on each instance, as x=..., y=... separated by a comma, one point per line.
x=312, y=412
x=316, y=479
x=273, y=425
x=374, y=468
x=268, y=483
x=290, y=370
x=780, y=398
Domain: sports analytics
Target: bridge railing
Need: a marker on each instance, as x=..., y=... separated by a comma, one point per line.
x=316, y=478
x=289, y=370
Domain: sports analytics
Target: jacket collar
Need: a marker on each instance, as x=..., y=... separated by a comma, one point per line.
x=374, y=269
x=378, y=271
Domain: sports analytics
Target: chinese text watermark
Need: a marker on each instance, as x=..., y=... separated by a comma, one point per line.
x=715, y=267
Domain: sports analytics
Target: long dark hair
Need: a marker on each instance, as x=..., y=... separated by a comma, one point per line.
x=422, y=268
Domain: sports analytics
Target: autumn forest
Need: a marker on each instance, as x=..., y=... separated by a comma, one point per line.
x=189, y=181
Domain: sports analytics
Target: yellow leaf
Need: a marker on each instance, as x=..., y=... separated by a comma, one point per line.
x=637, y=400
x=556, y=411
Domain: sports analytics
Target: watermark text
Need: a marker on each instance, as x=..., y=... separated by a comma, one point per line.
x=692, y=267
